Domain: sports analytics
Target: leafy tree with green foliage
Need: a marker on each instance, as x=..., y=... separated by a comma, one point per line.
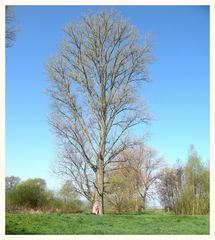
x=122, y=194
x=69, y=198
x=194, y=198
x=68, y=192
x=30, y=193
x=186, y=190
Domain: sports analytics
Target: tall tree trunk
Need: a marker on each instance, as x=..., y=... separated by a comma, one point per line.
x=99, y=190
x=144, y=201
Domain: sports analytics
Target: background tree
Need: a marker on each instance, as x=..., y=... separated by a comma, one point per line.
x=30, y=193
x=11, y=182
x=170, y=187
x=68, y=192
x=120, y=187
x=185, y=190
x=133, y=178
x=10, y=19
x=93, y=84
x=70, y=199
x=33, y=195
x=147, y=171
x=196, y=188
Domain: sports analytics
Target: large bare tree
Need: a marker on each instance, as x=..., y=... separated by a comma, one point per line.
x=94, y=79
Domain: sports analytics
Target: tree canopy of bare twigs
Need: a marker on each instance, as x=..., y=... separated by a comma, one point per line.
x=133, y=180
x=11, y=182
x=93, y=85
x=148, y=166
x=10, y=32
x=143, y=167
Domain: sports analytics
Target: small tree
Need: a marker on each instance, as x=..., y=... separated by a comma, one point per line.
x=195, y=195
x=170, y=187
x=11, y=182
x=148, y=168
x=67, y=192
x=121, y=192
x=70, y=198
x=134, y=176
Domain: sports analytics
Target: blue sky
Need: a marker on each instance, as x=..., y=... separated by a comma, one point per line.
x=178, y=94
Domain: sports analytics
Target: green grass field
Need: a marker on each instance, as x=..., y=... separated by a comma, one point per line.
x=146, y=223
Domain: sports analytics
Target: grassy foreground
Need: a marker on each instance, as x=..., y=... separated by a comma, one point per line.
x=145, y=223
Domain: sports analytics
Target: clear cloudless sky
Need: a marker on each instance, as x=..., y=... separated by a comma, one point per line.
x=178, y=94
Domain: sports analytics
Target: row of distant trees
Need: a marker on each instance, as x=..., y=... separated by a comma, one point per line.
x=33, y=195
x=139, y=177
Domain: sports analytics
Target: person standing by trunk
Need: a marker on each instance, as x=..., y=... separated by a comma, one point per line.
x=97, y=209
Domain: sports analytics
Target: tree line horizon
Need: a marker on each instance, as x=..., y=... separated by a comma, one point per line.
x=180, y=188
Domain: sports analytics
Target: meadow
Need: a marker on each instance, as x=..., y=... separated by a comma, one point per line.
x=157, y=223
